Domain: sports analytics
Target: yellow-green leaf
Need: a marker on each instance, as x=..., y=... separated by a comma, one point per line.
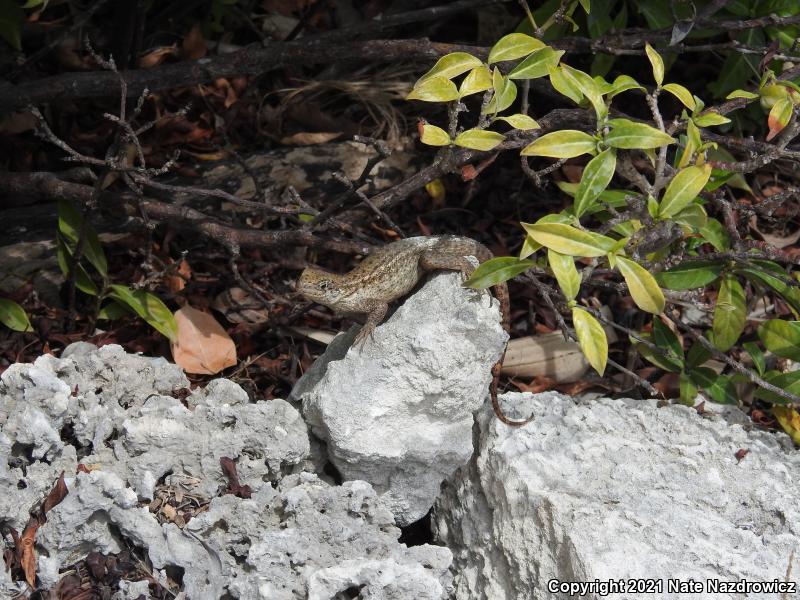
x=70, y=222
x=477, y=80
x=435, y=89
x=537, y=64
x=683, y=188
x=513, y=46
x=529, y=246
x=789, y=418
x=642, y=285
x=433, y=135
x=520, y=121
x=589, y=88
x=561, y=144
x=592, y=339
x=741, y=94
x=656, y=62
x=479, y=139
x=710, y=118
x=505, y=92
x=596, y=177
x=567, y=276
x=570, y=240
x=631, y=135
x=451, y=65
x=148, y=307
x=13, y=316
x=497, y=270
x=730, y=313
x=693, y=216
x=779, y=117
x=682, y=94
x=781, y=337
x=565, y=85
x=623, y=83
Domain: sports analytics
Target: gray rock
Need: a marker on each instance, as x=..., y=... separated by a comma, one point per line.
x=397, y=411
x=619, y=489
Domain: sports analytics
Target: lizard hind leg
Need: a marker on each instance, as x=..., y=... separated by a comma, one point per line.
x=433, y=260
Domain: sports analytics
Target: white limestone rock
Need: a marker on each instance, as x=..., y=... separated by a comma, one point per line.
x=397, y=411
x=619, y=489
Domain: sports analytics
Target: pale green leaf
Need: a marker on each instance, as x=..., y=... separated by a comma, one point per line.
x=433, y=135
x=520, y=121
x=435, y=89
x=693, y=216
x=591, y=338
x=513, y=46
x=779, y=117
x=505, y=92
x=642, y=285
x=561, y=144
x=710, y=118
x=657, y=64
x=570, y=240
x=741, y=94
x=596, y=177
x=477, y=80
x=451, y=65
x=682, y=94
x=565, y=85
x=13, y=316
x=589, y=88
x=537, y=64
x=631, y=135
x=478, y=139
x=730, y=313
x=567, y=276
x=623, y=83
x=683, y=188
x=781, y=337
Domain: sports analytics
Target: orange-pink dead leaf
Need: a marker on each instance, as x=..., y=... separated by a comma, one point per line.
x=157, y=56
x=194, y=46
x=310, y=139
x=202, y=345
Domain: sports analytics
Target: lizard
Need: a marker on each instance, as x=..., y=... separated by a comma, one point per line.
x=390, y=273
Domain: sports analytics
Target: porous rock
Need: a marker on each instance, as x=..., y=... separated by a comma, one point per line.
x=397, y=410
x=618, y=489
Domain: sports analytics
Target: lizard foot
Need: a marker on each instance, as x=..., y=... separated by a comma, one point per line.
x=366, y=332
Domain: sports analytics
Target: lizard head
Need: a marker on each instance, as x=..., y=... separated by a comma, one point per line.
x=319, y=286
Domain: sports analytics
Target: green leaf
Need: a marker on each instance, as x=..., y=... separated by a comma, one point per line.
x=520, y=121
x=642, y=285
x=13, y=316
x=779, y=117
x=693, y=216
x=564, y=84
x=781, y=337
x=435, y=89
x=688, y=390
x=70, y=221
x=82, y=279
x=595, y=178
x=477, y=80
x=715, y=234
x=666, y=339
x=570, y=240
x=718, y=387
x=683, y=188
x=682, y=94
x=497, y=270
x=673, y=365
x=689, y=275
x=697, y=355
x=148, y=307
x=434, y=136
x=756, y=355
x=513, y=46
x=710, y=118
x=505, y=92
x=113, y=310
x=591, y=338
x=623, y=83
x=630, y=135
x=589, y=89
x=741, y=94
x=567, y=276
x=788, y=382
x=566, y=143
x=11, y=17
x=449, y=66
x=537, y=64
x=730, y=313
x=479, y=139
x=656, y=62
x=789, y=293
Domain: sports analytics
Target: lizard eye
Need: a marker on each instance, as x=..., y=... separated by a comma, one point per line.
x=324, y=284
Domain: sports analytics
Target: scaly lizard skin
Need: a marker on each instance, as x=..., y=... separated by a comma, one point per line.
x=390, y=273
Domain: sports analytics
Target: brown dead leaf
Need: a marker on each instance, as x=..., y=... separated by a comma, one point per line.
x=468, y=172
x=572, y=173
x=779, y=241
x=157, y=56
x=175, y=283
x=194, y=45
x=202, y=345
x=537, y=385
x=310, y=139
x=239, y=306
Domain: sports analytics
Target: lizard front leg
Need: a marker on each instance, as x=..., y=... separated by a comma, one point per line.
x=376, y=312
